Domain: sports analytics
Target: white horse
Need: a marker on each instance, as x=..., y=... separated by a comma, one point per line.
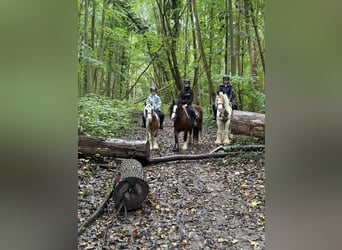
x=152, y=125
x=223, y=119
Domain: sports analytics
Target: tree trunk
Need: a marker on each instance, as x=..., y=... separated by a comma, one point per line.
x=200, y=45
x=88, y=68
x=100, y=72
x=251, y=46
x=248, y=123
x=189, y=157
x=238, y=38
x=231, y=33
x=196, y=67
x=117, y=148
x=255, y=26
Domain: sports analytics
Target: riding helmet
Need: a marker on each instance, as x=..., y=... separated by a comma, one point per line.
x=186, y=81
x=153, y=89
x=226, y=77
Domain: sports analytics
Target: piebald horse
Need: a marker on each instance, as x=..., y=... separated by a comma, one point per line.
x=223, y=119
x=152, y=125
x=183, y=123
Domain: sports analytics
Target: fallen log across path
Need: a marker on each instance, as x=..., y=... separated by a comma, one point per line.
x=232, y=150
x=140, y=150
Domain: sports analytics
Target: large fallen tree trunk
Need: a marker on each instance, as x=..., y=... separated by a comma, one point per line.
x=140, y=150
x=116, y=148
x=248, y=123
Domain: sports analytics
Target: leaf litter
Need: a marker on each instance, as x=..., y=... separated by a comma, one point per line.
x=197, y=204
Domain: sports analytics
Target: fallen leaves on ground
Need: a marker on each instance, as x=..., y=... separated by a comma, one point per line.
x=202, y=204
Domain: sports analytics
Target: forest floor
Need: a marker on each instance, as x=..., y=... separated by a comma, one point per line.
x=195, y=204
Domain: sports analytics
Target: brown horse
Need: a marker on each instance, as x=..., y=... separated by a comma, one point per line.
x=183, y=123
x=152, y=125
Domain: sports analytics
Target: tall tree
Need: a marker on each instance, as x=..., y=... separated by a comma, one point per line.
x=200, y=45
x=86, y=42
x=231, y=33
x=257, y=35
x=100, y=73
x=252, y=51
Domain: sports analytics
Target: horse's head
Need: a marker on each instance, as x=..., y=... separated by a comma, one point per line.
x=173, y=110
x=222, y=103
x=149, y=109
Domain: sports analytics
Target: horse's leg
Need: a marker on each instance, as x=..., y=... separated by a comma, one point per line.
x=226, y=133
x=176, y=146
x=200, y=133
x=230, y=136
x=187, y=137
x=219, y=132
x=154, y=139
x=150, y=139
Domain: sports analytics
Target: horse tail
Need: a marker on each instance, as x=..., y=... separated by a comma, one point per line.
x=195, y=133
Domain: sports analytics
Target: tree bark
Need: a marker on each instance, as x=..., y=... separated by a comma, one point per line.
x=258, y=38
x=117, y=148
x=189, y=157
x=231, y=33
x=248, y=123
x=201, y=48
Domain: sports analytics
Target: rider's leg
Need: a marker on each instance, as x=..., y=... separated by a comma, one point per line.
x=214, y=111
x=161, y=118
x=143, y=121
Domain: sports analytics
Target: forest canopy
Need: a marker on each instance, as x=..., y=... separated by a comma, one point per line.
x=125, y=47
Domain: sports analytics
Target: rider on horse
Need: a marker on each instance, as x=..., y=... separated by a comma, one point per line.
x=227, y=89
x=155, y=100
x=186, y=96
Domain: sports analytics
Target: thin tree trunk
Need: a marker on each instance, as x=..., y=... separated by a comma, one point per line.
x=195, y=55
x=238, y=40
x=100, y=73
x=252, y=53
x=226, y=64
x=170, y=35
x=200, y=44
x=256, y=31
x=231, y=33
x=86, y=42
x=92, y=42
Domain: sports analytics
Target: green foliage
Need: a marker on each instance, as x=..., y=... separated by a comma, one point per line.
x=246, y=95
x=104, y=117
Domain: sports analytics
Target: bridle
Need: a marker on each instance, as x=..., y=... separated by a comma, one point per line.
x=220, y=104
x=149, y=110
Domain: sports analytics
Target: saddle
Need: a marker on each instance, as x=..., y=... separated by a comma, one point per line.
x=186, y=109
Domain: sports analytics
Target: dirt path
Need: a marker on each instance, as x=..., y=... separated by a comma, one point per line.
x=202, y=204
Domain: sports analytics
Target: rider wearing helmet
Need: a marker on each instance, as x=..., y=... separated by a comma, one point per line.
x=227, y=89
x=155, y=99
x=186, y=96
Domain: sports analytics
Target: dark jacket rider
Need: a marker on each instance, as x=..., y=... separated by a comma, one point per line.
x=227, y=89
x=186, y=96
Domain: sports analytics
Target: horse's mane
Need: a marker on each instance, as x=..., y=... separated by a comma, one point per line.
x=225, y=101
x=171, y=108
